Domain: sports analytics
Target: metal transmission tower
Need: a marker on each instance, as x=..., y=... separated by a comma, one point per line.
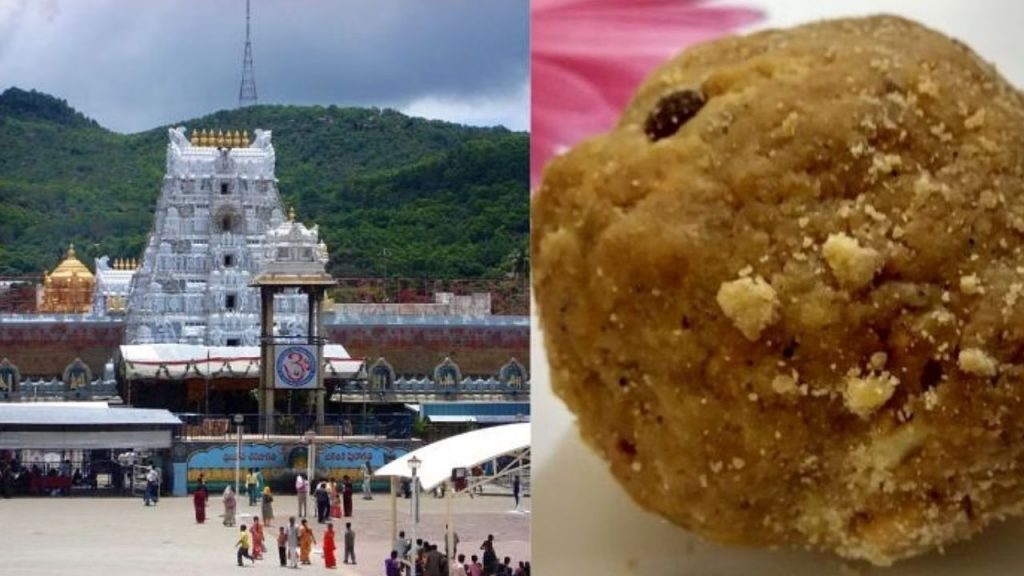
x=247, y=91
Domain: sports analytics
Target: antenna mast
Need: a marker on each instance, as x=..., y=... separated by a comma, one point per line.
x=247, y=91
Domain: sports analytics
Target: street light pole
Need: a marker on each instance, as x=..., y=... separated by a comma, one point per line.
x=310, y=457
x=414, y=465
x=238, y=449
x=449, y=528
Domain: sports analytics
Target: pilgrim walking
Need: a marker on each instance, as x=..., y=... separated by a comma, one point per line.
x=306, y=541
x=243, y=545
x=367, y=476
x=229, y=506
x=302, y=493
x=268, y=507
x=350, y=543
x=199, y=502
x=346, y=496
x=329, y=560
x=323, y=502
x=293, y=543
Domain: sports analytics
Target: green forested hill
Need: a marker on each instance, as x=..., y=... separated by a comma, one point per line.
x=419, y=198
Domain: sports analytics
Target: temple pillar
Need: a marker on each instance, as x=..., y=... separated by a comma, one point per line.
x=266, y=395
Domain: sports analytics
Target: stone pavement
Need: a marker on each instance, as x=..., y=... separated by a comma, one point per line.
x=112, y=536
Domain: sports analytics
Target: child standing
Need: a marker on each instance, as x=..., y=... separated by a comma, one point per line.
x=282, y=540
x=243, y=546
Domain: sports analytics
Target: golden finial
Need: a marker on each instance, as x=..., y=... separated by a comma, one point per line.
x=135, y=265
x=291, y=214
x=245, y=138
x=202, y=138
x=238, y=139
x=117, y=263
x=71, y=250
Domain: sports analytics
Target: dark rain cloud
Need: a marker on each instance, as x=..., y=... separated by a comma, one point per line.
x=134, y=65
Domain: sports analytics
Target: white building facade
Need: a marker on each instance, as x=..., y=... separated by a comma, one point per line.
x=218, y=202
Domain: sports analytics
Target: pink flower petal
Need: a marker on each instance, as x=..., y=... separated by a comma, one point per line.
x=589, y=56
x=563, y=108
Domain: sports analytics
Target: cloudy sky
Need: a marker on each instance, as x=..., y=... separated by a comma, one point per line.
x=134, y=65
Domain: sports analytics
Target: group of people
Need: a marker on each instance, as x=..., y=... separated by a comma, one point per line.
x=230, y=500
x=296, y=540
x=52, y=479
x=426, y=560
x=294, y=543
x=332, y=501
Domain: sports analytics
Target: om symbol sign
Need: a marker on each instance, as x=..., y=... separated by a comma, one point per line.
x=296, y=366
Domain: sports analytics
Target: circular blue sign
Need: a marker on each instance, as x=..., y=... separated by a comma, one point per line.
x=295, y=366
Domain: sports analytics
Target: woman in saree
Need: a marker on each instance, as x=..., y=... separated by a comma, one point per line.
x=267, y=507
x=199, y=503
x=346, y=495
x=332, y=491
x=306, y=541
x=229, y=506
x=329, y=560
x=257, y=538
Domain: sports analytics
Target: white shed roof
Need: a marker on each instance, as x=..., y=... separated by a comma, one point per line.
x=43, y=414
x=174, y=361
x=462, y=451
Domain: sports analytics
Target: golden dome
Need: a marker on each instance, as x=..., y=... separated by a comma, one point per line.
x=71, y=266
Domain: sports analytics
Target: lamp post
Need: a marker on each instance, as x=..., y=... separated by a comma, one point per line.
x=310, y=437
x=238, y=448
x=414, y=465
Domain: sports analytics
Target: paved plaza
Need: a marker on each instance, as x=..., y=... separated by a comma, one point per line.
x=111, y=536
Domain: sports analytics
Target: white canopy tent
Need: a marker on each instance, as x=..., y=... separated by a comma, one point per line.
x=462, y=451
x=437, y=460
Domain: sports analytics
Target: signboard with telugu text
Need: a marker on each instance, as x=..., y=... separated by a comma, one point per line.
x=279, y=462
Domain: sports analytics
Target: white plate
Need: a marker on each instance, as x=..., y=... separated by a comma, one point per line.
x=584, y=523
